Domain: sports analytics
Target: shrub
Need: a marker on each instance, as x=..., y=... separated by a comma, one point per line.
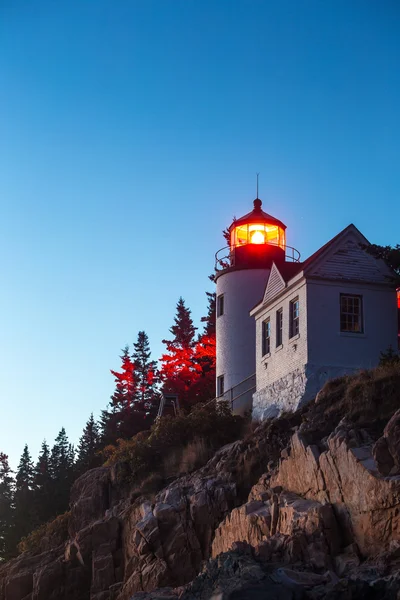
x=389, y=358
x=367, y=399
x=49, y=535
x=185, y=441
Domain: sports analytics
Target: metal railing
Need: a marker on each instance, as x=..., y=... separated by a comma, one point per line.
x=240, y=396
x=225, y=258
x=240, y=393
x=170, y=400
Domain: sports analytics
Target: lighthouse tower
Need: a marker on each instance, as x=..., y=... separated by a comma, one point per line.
x=256, y=241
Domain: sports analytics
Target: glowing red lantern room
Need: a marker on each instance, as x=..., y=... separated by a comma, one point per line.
x=256, y=239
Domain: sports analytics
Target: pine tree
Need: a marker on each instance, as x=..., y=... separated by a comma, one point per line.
x=205, y=355
x=88, y=447
x=179, y=369
x=390, y=254
x=146, y=373
x=7, y=540
x=126, y=384
x=43, y=486
x=227, y=235
x=210, y=319
x=118, y=421
x=183, y=329
x=127, y=415
x=110, y=421
x=24, y=509
x=62, y=471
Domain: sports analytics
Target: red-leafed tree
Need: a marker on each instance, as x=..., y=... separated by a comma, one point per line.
x=179, y=369
x=188, y=366
x=120, y=420
x=205, y=353
x=126, y=382
x=135, y=400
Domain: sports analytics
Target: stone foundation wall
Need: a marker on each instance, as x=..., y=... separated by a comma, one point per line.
x=293, y=390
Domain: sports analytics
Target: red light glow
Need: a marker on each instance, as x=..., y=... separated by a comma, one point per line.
x=257, y=233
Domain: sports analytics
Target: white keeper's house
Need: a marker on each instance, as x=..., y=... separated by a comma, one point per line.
x=284, y=327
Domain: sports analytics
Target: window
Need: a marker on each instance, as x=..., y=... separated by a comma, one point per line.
x=220, y=385
x=220, y=305
x=351, y=317
x=294, y=315
x=279, y=321
x=266, y=337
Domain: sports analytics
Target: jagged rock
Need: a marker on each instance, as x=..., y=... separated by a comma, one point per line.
x=392, y=436
x=283, y=515
x=347, y=477
x=90, y=498
x=386, y=450
x=171, y=538
x=382, y=456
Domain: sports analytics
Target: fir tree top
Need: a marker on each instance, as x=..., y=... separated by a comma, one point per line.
x=183, y=330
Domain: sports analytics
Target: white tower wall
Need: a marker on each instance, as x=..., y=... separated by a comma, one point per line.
x=235, y=329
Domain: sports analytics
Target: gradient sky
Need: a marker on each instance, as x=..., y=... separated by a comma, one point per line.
x=130, y=135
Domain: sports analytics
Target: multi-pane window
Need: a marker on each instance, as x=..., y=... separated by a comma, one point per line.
x=351, y=317
x=279, y=323
x=266, y=337
x=220, y=305
x=220, y=385
x=294, y=315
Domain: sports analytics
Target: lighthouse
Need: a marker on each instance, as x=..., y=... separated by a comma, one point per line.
x=256, y=241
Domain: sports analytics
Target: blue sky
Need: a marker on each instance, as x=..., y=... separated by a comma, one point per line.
x=130, y=135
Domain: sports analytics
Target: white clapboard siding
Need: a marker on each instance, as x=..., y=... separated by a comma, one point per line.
x=351, y=262
x=275, y=284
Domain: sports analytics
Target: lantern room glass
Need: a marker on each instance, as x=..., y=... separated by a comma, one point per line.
x=257, y=233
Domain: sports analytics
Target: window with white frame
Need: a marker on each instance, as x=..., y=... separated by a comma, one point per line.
x=279, y=324
x=351, y=313
x=266, y=337
x=294, y=317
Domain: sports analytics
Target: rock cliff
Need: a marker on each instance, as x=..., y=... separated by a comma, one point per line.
x=305, y=506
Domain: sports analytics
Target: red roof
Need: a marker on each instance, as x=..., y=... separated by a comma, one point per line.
x=257, y=216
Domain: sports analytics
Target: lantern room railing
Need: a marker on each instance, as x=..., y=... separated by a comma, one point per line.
x=225, y=257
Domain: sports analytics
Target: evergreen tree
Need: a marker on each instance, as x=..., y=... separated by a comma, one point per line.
x=183, y=329
x=88, y=447
x=110, y=421
x=179, y=369
x=227, y=235
x=24, y=508
x=127, y=415
x=146, y=374
x=126, y=384
x=43, y=486
x=205, y=355
x=390, y=254
x=210, y=319
x=62, y=471
x=389, y=358
x=7, y=540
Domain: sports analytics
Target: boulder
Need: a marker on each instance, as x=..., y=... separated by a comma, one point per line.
x=346, y=476
x=301, y=529
x=391, y=434
x=383, y=458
